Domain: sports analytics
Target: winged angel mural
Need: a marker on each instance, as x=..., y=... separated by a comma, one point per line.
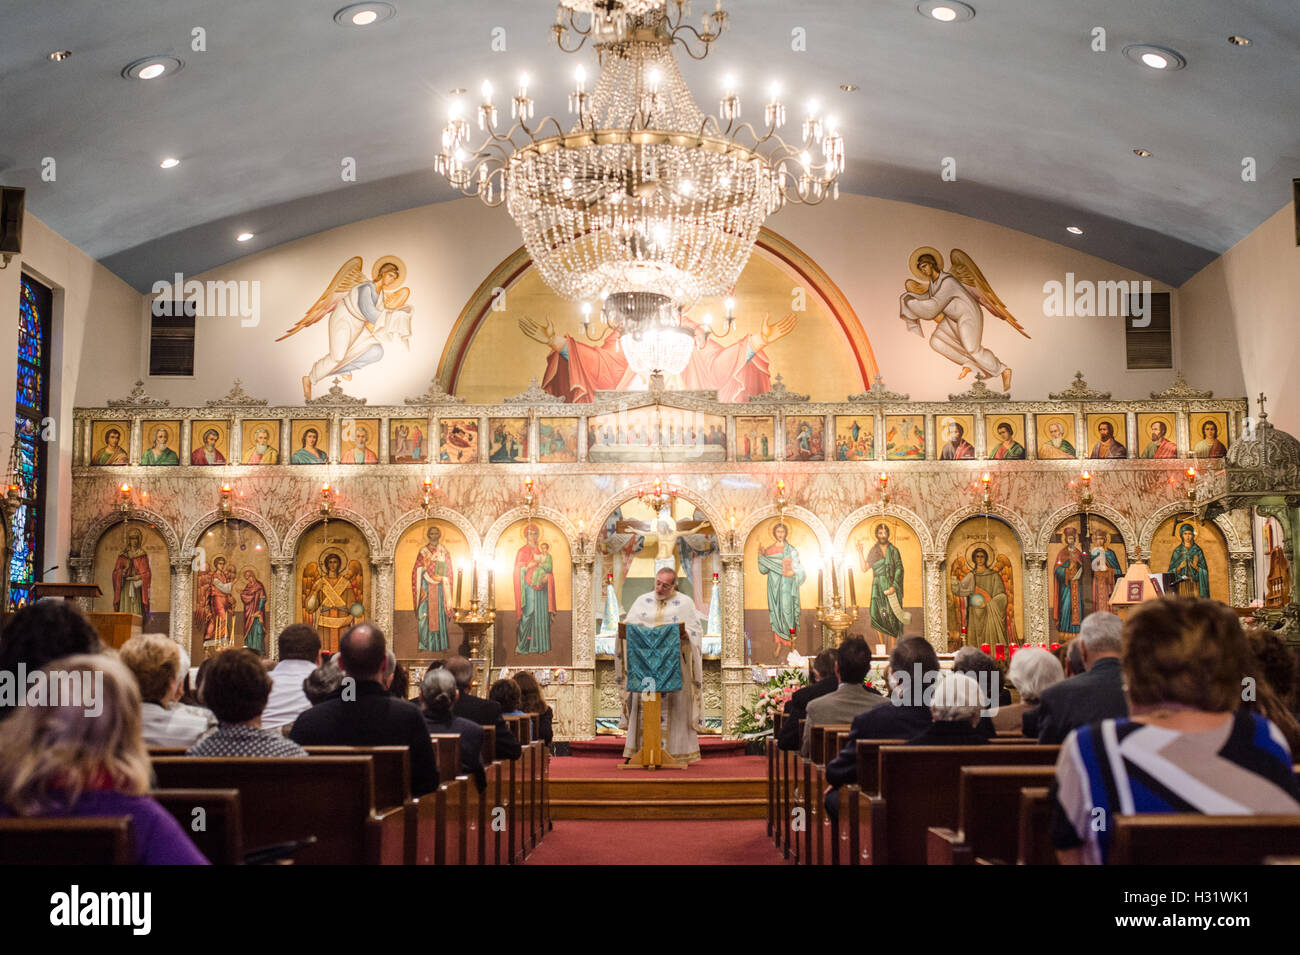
x=955, y=300
x=361, y=311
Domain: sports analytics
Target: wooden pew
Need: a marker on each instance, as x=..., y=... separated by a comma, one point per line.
x=1034, y=832
x=392, y=770
x=790, y=799
x=87, y=840
x=988, y=818
x=838, y=835
x=869, y=762
x=818, y=844
x=444, y=836
x=218, y=832
x=282, y=800
x=514, y=789
x=919, y=789
x=1195, y=839
x=770, y=751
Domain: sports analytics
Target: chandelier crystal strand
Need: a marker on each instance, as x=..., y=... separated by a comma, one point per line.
x=641, y=194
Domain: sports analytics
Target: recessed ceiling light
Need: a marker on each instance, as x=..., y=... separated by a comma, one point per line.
x=58, y=56
x=243, y=237
x=1144, y=153
x=152, y=67
x=170, y=163
x=849, y=87
x=1155, y=57
x=1073, y=230
x=1238, y=40
x=365, y=14
x=945, y=11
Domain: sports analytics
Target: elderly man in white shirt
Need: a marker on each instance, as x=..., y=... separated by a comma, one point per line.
x=299, y=649
x=682, y=710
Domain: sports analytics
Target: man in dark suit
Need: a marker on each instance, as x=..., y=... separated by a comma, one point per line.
x=363, y=713
x=824, y=681
x=481, y=711
x=1098, y=693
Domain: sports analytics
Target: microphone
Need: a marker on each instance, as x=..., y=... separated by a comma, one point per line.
x=47, y=570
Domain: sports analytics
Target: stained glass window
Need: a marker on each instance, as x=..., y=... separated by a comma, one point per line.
x=32, y=406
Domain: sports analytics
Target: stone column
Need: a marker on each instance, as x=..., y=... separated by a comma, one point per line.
x=581, y=701
x=381, y=581
x=1035, y=600
x=282, y=602
x=936, y=603
x=182, y=614
x=735, y=671
x=83, y=572
x=1239, y=578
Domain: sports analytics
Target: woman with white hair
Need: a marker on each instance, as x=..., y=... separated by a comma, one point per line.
x=86, y=758
x=1032, y=671
x=955, y=707
x=159, y=667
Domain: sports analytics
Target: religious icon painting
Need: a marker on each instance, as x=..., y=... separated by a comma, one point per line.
x=957, y=433
x=657, y=433
x=359, y=440
x=1085, y=557
x=508, y=440
x=855, y=437
x=334, y=587
x=1209, y=434
x=1196, y=554
x=533, y=589
x=755, y=438
x=1004, y=437
x=904, y=437
x=261, y=441
x=780, y=565
x=1056, y=437
x=458, y=440
x=133, y=572
x=1107, y=435
x=805, y=438
x=1156, y=435
x=408, y=440
x=209, y=443
x=109, y=442
x=557, y=440
x=983, y=584
x=161, y=442
x=232, y=577
x=309, y=441
x=885, y=566
x=428, y=555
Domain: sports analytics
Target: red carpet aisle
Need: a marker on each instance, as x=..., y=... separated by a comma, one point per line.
x=672, y=842
x=604, y=767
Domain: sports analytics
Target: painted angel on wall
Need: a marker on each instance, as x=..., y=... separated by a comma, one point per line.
x=955, y=300
x=332, y=599
x=361, y=312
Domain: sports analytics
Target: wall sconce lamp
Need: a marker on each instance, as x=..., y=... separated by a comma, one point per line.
x=530, y=499
x=224, y=501
x=326, y=500
x=985, y=481
x=780, y=496
x=882, y=482
x=1085, y=490
x=124, y=499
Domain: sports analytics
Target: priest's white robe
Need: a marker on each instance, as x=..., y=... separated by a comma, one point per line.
x=681, y=712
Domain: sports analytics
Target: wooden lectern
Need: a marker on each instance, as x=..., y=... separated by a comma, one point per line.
x=652, y=754
x=66, y=591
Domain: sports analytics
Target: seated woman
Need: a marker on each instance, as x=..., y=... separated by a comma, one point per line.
x=531, y=701
x=437, y=696
x=75, y=760
x=955, y=711
x=1032, y=671
x=39, y=633
x=507, y=693
x=236, y=687
x=1186, y=746
x=156, y=663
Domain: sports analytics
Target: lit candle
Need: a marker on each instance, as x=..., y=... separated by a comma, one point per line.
x=1191, y=473
x=821, y=587
x=853, y=593
x=580, y=526
x=985, y=479
x=835, y=581
x=491, y=587
x=1086, y=478
x=460, y=574
x=473, y=582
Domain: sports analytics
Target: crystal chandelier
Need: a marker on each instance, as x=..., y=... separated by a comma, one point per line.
x=645, y=204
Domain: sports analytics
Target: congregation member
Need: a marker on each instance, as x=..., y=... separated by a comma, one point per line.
x=438, y=694
x=156, y=663
x=1074, y=658
x=1187, y=744
x=532, y=701
x=1097, y=693
x=480, y=711
x=975, y=661
x=400, y=687
x=1271, y=665
x=41, y=632
x=796, y=708
x=849, y=698
x=75, y=761
x=323, y=682
x=1033, y=670
x=364, y=714
x=955, y=709
x=236, y=687
x=299, y=649
x=506, y=692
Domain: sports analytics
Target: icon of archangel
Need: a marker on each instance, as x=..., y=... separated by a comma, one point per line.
x=362, y=313
x=955, y=301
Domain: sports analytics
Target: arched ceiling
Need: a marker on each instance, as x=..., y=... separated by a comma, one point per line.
x=1042, y=128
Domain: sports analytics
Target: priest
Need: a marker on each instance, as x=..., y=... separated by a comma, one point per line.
x=681, y=711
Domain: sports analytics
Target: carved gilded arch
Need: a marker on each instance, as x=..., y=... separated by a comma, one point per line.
x=139, y=515
x=1227, y=527
x=636, y=490
x=752, y=520
x=293, y=535
x=868, y=511
x=1121, y=521
x=522, y=512
x=416, y=515
x=213, y=517
x=1000, y=512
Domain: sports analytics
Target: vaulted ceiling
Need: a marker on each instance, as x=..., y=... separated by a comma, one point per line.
x=1041, y=126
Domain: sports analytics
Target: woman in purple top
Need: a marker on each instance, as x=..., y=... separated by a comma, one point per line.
x=81, y=754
